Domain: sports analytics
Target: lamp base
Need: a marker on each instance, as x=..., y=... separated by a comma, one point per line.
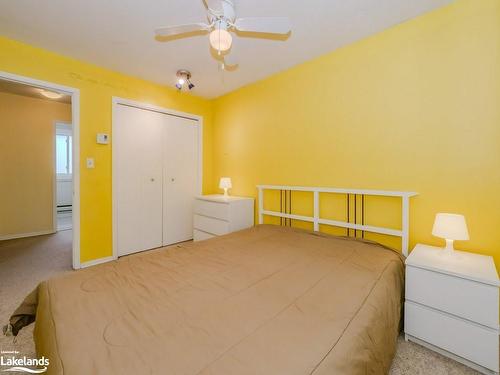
x=226, y=194
x=449, y=249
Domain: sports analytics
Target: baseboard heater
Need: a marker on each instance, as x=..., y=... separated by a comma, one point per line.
x=65, y=208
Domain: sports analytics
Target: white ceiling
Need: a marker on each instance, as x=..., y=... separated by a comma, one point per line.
x=118, y=34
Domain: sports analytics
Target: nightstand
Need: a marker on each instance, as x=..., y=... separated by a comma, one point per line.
x=215, y=215
x=452, y=305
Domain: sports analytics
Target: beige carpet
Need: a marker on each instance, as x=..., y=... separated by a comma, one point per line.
x=25, y=262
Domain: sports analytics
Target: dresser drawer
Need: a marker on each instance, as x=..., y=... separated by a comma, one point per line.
x=465, y=298
x=468, y=340
x=211, y=225
x=211, y=209
x=199, y=235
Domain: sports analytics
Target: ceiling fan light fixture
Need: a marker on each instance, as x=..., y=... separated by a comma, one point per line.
x=220, y=39
x=50, y=94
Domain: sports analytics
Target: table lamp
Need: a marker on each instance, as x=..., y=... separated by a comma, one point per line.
x=225, y=183
x=450, y=227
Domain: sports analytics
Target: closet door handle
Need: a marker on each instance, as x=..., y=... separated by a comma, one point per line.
x=172, y=179
x=152, y=180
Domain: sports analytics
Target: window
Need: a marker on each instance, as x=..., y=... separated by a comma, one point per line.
x=64, y=143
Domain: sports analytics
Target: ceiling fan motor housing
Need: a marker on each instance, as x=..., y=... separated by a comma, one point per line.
x=225, y=12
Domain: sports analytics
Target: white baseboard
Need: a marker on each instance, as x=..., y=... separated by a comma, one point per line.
x=64, y=227
x=95, y=262
x=23, y=235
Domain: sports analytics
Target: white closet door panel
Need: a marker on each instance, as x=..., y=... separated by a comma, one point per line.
x=138, y=178
x=180, y=178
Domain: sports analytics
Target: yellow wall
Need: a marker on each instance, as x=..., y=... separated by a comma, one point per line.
x=415, y=107
x=27, y=163
x=97, y=86
x=412, y=108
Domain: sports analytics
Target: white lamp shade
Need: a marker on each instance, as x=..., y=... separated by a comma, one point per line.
x=220, y=39
x=450, y=227
x=225, y=183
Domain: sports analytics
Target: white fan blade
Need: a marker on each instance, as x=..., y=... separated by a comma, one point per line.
x=228, y=10
x=214, y=5
x=271, y=25
x=182, y=29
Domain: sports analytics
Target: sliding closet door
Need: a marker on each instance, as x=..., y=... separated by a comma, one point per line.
x=180, y=177
x=138, y=151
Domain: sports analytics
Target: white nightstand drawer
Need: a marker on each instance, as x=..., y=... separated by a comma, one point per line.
x=465, y=298
x=468, y=340
x=199, y=235
x=212, y=209
x=211, y=225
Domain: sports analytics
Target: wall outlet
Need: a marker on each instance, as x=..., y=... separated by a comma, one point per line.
x=90, y=163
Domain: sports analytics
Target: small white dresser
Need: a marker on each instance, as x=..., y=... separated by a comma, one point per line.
x=452, y=305
x=215, y=215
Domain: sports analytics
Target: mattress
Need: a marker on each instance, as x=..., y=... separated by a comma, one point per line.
x=267, y=300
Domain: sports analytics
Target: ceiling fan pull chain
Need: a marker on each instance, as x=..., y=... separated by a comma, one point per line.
x=219, y=41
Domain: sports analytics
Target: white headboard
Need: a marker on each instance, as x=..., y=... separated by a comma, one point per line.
x=317, y=220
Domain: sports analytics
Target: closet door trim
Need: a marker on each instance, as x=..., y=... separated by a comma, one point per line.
x=117, y=101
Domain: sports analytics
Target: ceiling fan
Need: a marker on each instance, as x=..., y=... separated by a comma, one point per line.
x=222, y=19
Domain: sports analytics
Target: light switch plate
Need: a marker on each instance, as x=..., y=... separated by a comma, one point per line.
x=90, y=163
x=102, y=138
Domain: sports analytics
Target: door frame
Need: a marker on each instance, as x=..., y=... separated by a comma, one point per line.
x=75, y=120
x=150, y=107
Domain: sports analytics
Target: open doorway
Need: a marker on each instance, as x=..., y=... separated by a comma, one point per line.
x=63, y=202
x=39, y=194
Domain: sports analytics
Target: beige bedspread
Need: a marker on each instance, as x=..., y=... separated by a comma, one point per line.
x=268, y=300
